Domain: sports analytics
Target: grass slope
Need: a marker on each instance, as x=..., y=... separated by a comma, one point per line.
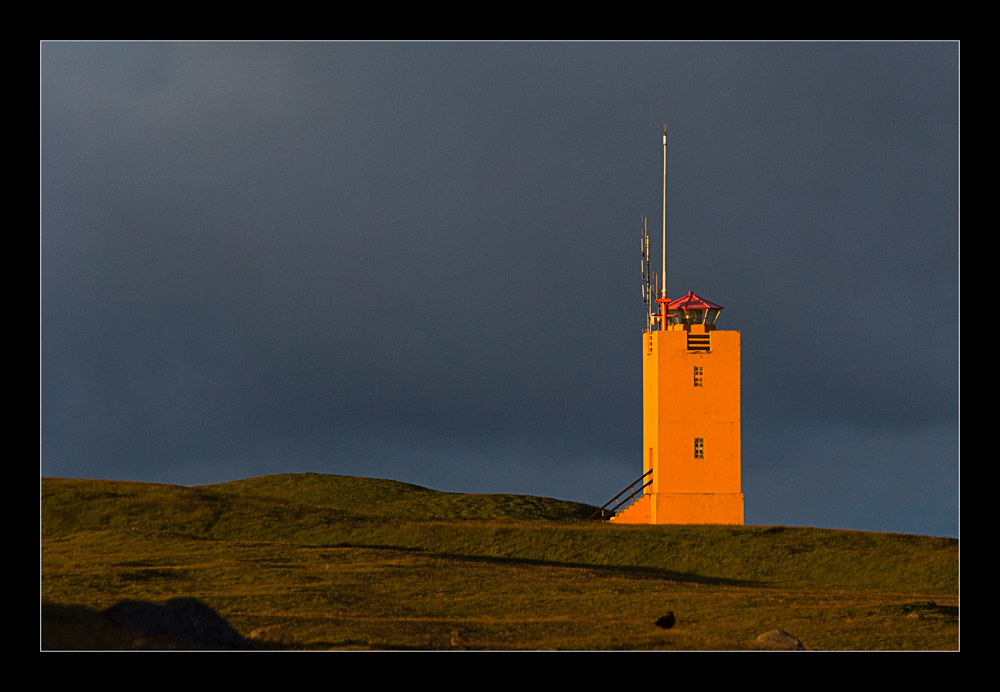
x=344, y=562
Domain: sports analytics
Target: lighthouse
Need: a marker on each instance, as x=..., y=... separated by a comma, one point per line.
x=691, y=416
x=690, y=407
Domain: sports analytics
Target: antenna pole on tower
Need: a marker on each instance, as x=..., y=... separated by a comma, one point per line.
x=664, y=295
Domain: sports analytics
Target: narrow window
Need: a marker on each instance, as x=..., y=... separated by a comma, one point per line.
x=699, y=448
x=699, y=376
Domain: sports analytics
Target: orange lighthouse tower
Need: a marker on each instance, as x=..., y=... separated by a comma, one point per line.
x=690, y=409
x=691, y=416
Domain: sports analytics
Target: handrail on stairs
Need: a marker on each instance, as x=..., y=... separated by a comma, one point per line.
x=600, y=513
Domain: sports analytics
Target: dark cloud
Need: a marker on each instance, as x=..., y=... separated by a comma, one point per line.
x=420, y=258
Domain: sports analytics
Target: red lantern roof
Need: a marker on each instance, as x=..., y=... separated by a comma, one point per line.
x=692, y=302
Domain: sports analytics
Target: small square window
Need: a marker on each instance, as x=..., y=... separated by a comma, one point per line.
x=699, y=376
x=699, y=448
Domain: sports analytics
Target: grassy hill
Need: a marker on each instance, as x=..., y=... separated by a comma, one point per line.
x=344, y=562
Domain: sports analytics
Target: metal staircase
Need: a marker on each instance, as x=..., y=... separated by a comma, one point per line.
x=621, y=503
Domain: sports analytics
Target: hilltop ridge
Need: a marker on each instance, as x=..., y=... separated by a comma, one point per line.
x=344, y=559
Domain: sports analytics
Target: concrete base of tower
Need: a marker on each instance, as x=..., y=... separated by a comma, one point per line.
x=636, y=513
x=696, y=508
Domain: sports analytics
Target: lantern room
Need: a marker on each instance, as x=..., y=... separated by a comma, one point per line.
x=691, y=309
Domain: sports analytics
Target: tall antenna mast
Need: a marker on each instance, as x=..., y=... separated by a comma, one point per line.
x=664, y=294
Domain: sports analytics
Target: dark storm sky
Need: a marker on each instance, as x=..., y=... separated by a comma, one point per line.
x=420, y=261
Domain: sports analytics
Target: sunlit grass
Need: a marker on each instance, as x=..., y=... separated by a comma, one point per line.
x=318, y=557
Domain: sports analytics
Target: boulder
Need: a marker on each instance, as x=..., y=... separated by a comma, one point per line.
x=180, y=623
x=667, y=621
x=779, y=639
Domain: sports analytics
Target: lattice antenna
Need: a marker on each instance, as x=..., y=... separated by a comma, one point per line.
x=647, y=290
x=656, y=291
